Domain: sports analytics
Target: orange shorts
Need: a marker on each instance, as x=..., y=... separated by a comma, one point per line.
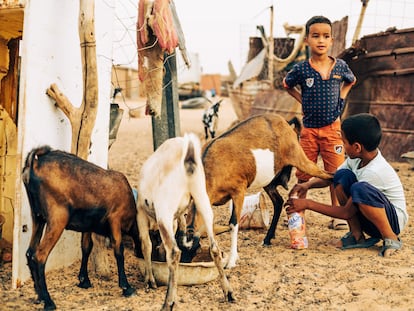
x=326, y=142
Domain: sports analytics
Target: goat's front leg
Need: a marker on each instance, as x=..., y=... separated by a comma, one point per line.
x=127, y=290
x=205, y=132
x=118, y=246
x=134, y=233
x=86, y=245
x=234, y=225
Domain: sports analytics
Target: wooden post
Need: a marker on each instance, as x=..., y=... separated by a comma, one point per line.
x=167, y=125
x=82, y=119
x=271, y=49
x=360, y=20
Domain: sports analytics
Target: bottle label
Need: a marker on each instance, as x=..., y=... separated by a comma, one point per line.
x=297, y=231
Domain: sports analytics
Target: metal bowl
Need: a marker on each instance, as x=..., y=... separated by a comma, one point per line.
x=409, y=157
x=194, y=273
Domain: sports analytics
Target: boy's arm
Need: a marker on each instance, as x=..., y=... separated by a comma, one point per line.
x=295, y=94
x=301, y=189
x=293, y=91
x=341, y=212
x=346, y=87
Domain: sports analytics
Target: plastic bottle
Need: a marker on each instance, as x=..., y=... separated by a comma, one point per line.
x=297, y=230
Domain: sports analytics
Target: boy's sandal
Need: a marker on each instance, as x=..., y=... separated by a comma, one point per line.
x=349, y=242
x=390, y=244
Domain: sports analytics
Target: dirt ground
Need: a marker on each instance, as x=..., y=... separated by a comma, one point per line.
x=266, y=278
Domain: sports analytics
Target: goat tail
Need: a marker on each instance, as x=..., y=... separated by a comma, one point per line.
x=192, y=153
x=33, y=155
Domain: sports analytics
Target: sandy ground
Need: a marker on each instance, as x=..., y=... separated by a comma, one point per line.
x=266, y=278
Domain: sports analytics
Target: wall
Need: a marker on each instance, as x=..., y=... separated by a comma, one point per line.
x=50, y=53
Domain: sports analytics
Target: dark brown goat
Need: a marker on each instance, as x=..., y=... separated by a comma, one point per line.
x=67, y=192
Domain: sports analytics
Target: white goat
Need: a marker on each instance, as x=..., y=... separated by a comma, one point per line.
x=170, y=179
x=210, y=119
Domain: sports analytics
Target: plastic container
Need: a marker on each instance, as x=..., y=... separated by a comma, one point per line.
x=297, y=230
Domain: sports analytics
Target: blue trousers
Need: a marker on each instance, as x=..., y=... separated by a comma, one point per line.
x=364, y=193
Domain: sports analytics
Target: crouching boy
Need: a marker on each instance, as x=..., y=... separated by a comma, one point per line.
x=369, y=191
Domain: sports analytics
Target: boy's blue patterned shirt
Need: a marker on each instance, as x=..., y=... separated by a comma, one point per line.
x=321, y=104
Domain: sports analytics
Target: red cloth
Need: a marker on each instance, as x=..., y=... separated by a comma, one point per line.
x=158, y=18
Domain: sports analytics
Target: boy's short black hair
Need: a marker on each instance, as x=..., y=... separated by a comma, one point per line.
x=319, y=19
x=363, y=128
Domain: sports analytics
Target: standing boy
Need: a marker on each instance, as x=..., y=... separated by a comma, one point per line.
x=324, y=83
x=369, y=190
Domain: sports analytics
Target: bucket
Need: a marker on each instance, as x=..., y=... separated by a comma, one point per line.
x=254, y=214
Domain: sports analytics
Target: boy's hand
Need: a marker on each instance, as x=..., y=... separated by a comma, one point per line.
x=295, y=205
x=299, y=190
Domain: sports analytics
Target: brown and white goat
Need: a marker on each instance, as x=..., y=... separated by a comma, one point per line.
x=258, y=152
x=169, y=180
x=67, y=192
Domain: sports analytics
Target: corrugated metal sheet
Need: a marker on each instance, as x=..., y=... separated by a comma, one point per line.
x=384, y=66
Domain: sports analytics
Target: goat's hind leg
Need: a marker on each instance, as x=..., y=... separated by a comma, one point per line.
x=52, y=234
x=38, y=226
x=86, y=245
x=281, y=179
x=277, y=201
x=146, y=247
x=173, y=254
x=207, y=213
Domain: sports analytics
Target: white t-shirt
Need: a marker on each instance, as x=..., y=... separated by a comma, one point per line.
x=380, y=174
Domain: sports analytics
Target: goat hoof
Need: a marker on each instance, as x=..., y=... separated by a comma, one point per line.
x=151, y=285
x=49, y=306
x=267, y=243
x=230, y=297
x=127, y=292
x=167, y=307
x=85, y=284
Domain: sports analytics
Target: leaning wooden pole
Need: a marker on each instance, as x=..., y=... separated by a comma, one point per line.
x=82, y=119
x=90, y=76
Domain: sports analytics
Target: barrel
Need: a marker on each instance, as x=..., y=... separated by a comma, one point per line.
x=383, y=64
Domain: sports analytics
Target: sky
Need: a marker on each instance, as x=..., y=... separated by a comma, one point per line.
x=219, y=30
